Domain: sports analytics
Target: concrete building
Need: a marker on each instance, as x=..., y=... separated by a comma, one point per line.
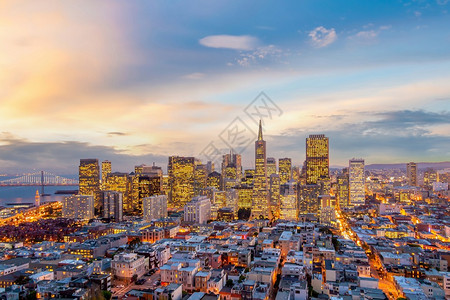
x=129, y=266
x=154, y=207
x=78, y=207
x=198, y=210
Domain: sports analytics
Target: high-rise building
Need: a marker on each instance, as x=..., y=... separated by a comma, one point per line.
x=89, y=181
x=356, y=182
x=154, y=207
x=249, y=177
x=284, y=170
x=198, y=210
x=200, y=178
x=231, y=170
x=429, y=177
x=121, y=182
x=245, y=196
x=214, y=179
x=106, y=170
x=274, y=195
x=78, y=207
x=147, y=181
x=308, y=198
x=113, y=205
x=342, y=195
x=209, y=167
x=260, y=207
x=317, y=158
x=181, y=180
x=411, y=173
x=289, y=201
x=271, y=166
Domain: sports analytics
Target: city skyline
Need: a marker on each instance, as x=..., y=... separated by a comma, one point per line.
x=370, y=76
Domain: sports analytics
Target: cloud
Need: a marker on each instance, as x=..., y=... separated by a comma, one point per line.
x=18, y=154
x=261, y=53
x=117, y=133
x=389, y=136
x=368, y=35
x=235, y=42
x=194, y=76
x=322, y=37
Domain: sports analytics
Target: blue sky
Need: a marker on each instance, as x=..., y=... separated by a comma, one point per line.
x=136, y=81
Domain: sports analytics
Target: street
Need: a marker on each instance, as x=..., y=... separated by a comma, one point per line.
x=149, y=283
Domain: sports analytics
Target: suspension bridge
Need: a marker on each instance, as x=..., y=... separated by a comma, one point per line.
x=41, y=178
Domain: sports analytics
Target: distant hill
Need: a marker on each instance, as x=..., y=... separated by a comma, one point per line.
x=420, y=165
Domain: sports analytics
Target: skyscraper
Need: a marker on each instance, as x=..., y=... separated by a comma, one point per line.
x=271, y=166
x=121, y=182
x=260, y=207
x=274, y=195
x=113, y=205
x=181, y=180
x=78, y=207
x=317, y=158
x=231, y=170
x=89, y=180
x=200, y=178
x=147, y=181
x=289, y=201
x=356, y=182
x=411, y=173
x=106, y=169
x=342, y=195
x=154, y=207
x=284, y=169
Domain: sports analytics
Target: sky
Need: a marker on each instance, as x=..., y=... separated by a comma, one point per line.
x=136, y=81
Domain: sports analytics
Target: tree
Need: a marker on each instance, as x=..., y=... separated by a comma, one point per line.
x=241, y=278
x=21, y=280
x=107, y=295
x=134, y=278
x=244, y=213
x=229, y=283
x=31, y=296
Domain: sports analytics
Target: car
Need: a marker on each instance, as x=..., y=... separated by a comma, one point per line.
x=141, y=281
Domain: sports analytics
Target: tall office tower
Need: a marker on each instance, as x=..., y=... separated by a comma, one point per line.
x=106, y=169
x=231, y=170
x=214, y=179
x=429, y=177
x=231, y=200
x=274, y=195
x=181, y=180
x=154, y=207
x=289, y=201
x=356, y=182
x=271, y=166
x=308, y=198
x=411, y=173
x=317, y=158
x=260, y=207
x=200, y=178
x=89, y=181
x=198, y=210
x=284, y=170
x=121, y=182
x=245, y=197
x=342, y=195
x=209, y=167
x=249, y=177
x=113, y=205
x=147, y=183
x=78, y=207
